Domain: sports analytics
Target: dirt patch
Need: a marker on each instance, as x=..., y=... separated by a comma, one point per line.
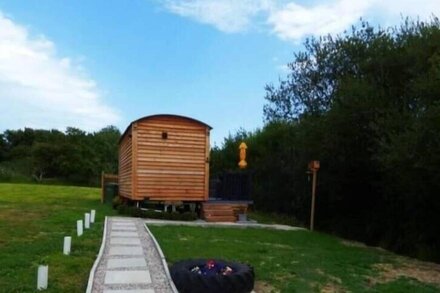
x=275, y=245
x=17, y=216
x=333, y=279
x=352, y=243
x=263, y=287
x=333, y=285
x=421, y=271
x=284, y=277
x=332, y=288
x=217, y=240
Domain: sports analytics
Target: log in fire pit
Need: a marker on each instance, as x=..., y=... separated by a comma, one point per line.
x=214, y=276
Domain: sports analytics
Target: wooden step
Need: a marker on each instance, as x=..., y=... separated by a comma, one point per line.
x=214, y=209
x=222, y=212
x=218, y=213
x=221, y=219
x=217, y=206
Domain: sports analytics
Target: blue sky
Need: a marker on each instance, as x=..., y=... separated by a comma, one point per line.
x=94, y=63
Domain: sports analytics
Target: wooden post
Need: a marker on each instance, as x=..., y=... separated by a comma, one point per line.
x=312, y=212
x=313, y=167
x=207, y=156
x=134, y=160
x=102, y=187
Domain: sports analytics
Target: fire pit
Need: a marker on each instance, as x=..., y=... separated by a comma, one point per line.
x=207, y=275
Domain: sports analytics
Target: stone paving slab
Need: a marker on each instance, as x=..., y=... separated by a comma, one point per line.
x=126, y=250
x=127, y=277
x=126, y=262
x=123, y=223
x=119, y=220
x=127, y=225
x=130, y=291
x=123, y=234
x=123, y=226
x=124, y=229
x=128, y=240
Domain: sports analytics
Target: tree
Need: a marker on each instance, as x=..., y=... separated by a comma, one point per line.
x=370, y=98
x=106, y=143
x=74, y=156
x=3, y=147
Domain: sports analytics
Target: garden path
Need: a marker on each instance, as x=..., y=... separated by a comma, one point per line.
x=130, y=260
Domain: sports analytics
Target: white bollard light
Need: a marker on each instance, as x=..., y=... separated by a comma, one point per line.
x=92, y=216
x=87, y=220
x=79, y=227
x=43, y=273
x=67, y=244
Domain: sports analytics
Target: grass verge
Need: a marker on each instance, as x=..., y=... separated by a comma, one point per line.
x=33, y=222
x=273, y=218
x=301, y=261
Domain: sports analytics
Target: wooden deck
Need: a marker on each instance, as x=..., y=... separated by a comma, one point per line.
x=223, y=211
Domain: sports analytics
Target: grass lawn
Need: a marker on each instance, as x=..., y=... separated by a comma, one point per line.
x=35, y=218
x=301, y=261
x=33, y=222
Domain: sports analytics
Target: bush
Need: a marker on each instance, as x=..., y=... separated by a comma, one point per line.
x=9, y=174
x=117, y=201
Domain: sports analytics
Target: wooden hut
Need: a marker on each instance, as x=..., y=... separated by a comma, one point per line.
x=165, y=158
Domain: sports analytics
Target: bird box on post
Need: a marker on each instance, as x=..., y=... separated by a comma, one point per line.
x=242, y=164
x=314, y=165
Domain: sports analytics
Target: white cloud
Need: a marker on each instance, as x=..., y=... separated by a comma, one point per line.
x=40, y=89
x=226, y=15
x=293, y=21
x=420, y=8
x=290, y=20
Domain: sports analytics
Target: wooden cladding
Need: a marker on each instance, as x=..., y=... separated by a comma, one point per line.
x=165, y=157
x=125, y=166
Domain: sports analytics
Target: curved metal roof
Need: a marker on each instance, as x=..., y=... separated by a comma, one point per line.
x=164, y=115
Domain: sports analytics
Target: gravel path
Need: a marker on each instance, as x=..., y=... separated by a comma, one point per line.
x=202, y=223
x=130, y=261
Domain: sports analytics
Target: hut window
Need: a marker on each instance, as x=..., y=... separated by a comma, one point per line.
x=164, y=135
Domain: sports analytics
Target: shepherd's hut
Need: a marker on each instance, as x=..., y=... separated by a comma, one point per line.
x=165, y=158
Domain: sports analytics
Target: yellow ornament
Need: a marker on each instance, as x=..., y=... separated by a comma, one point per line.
x=242, y=164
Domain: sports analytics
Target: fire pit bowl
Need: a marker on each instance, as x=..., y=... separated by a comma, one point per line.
x=213, y=276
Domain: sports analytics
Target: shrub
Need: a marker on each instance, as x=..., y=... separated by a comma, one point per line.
x=117, y=201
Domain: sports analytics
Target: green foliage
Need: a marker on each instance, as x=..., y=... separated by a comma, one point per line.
x=74, y=157
x=226, y=157
x=272, y=218
x=367, y=105
x=117, y=201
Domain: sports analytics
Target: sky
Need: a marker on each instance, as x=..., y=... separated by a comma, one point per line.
x=90, y=64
